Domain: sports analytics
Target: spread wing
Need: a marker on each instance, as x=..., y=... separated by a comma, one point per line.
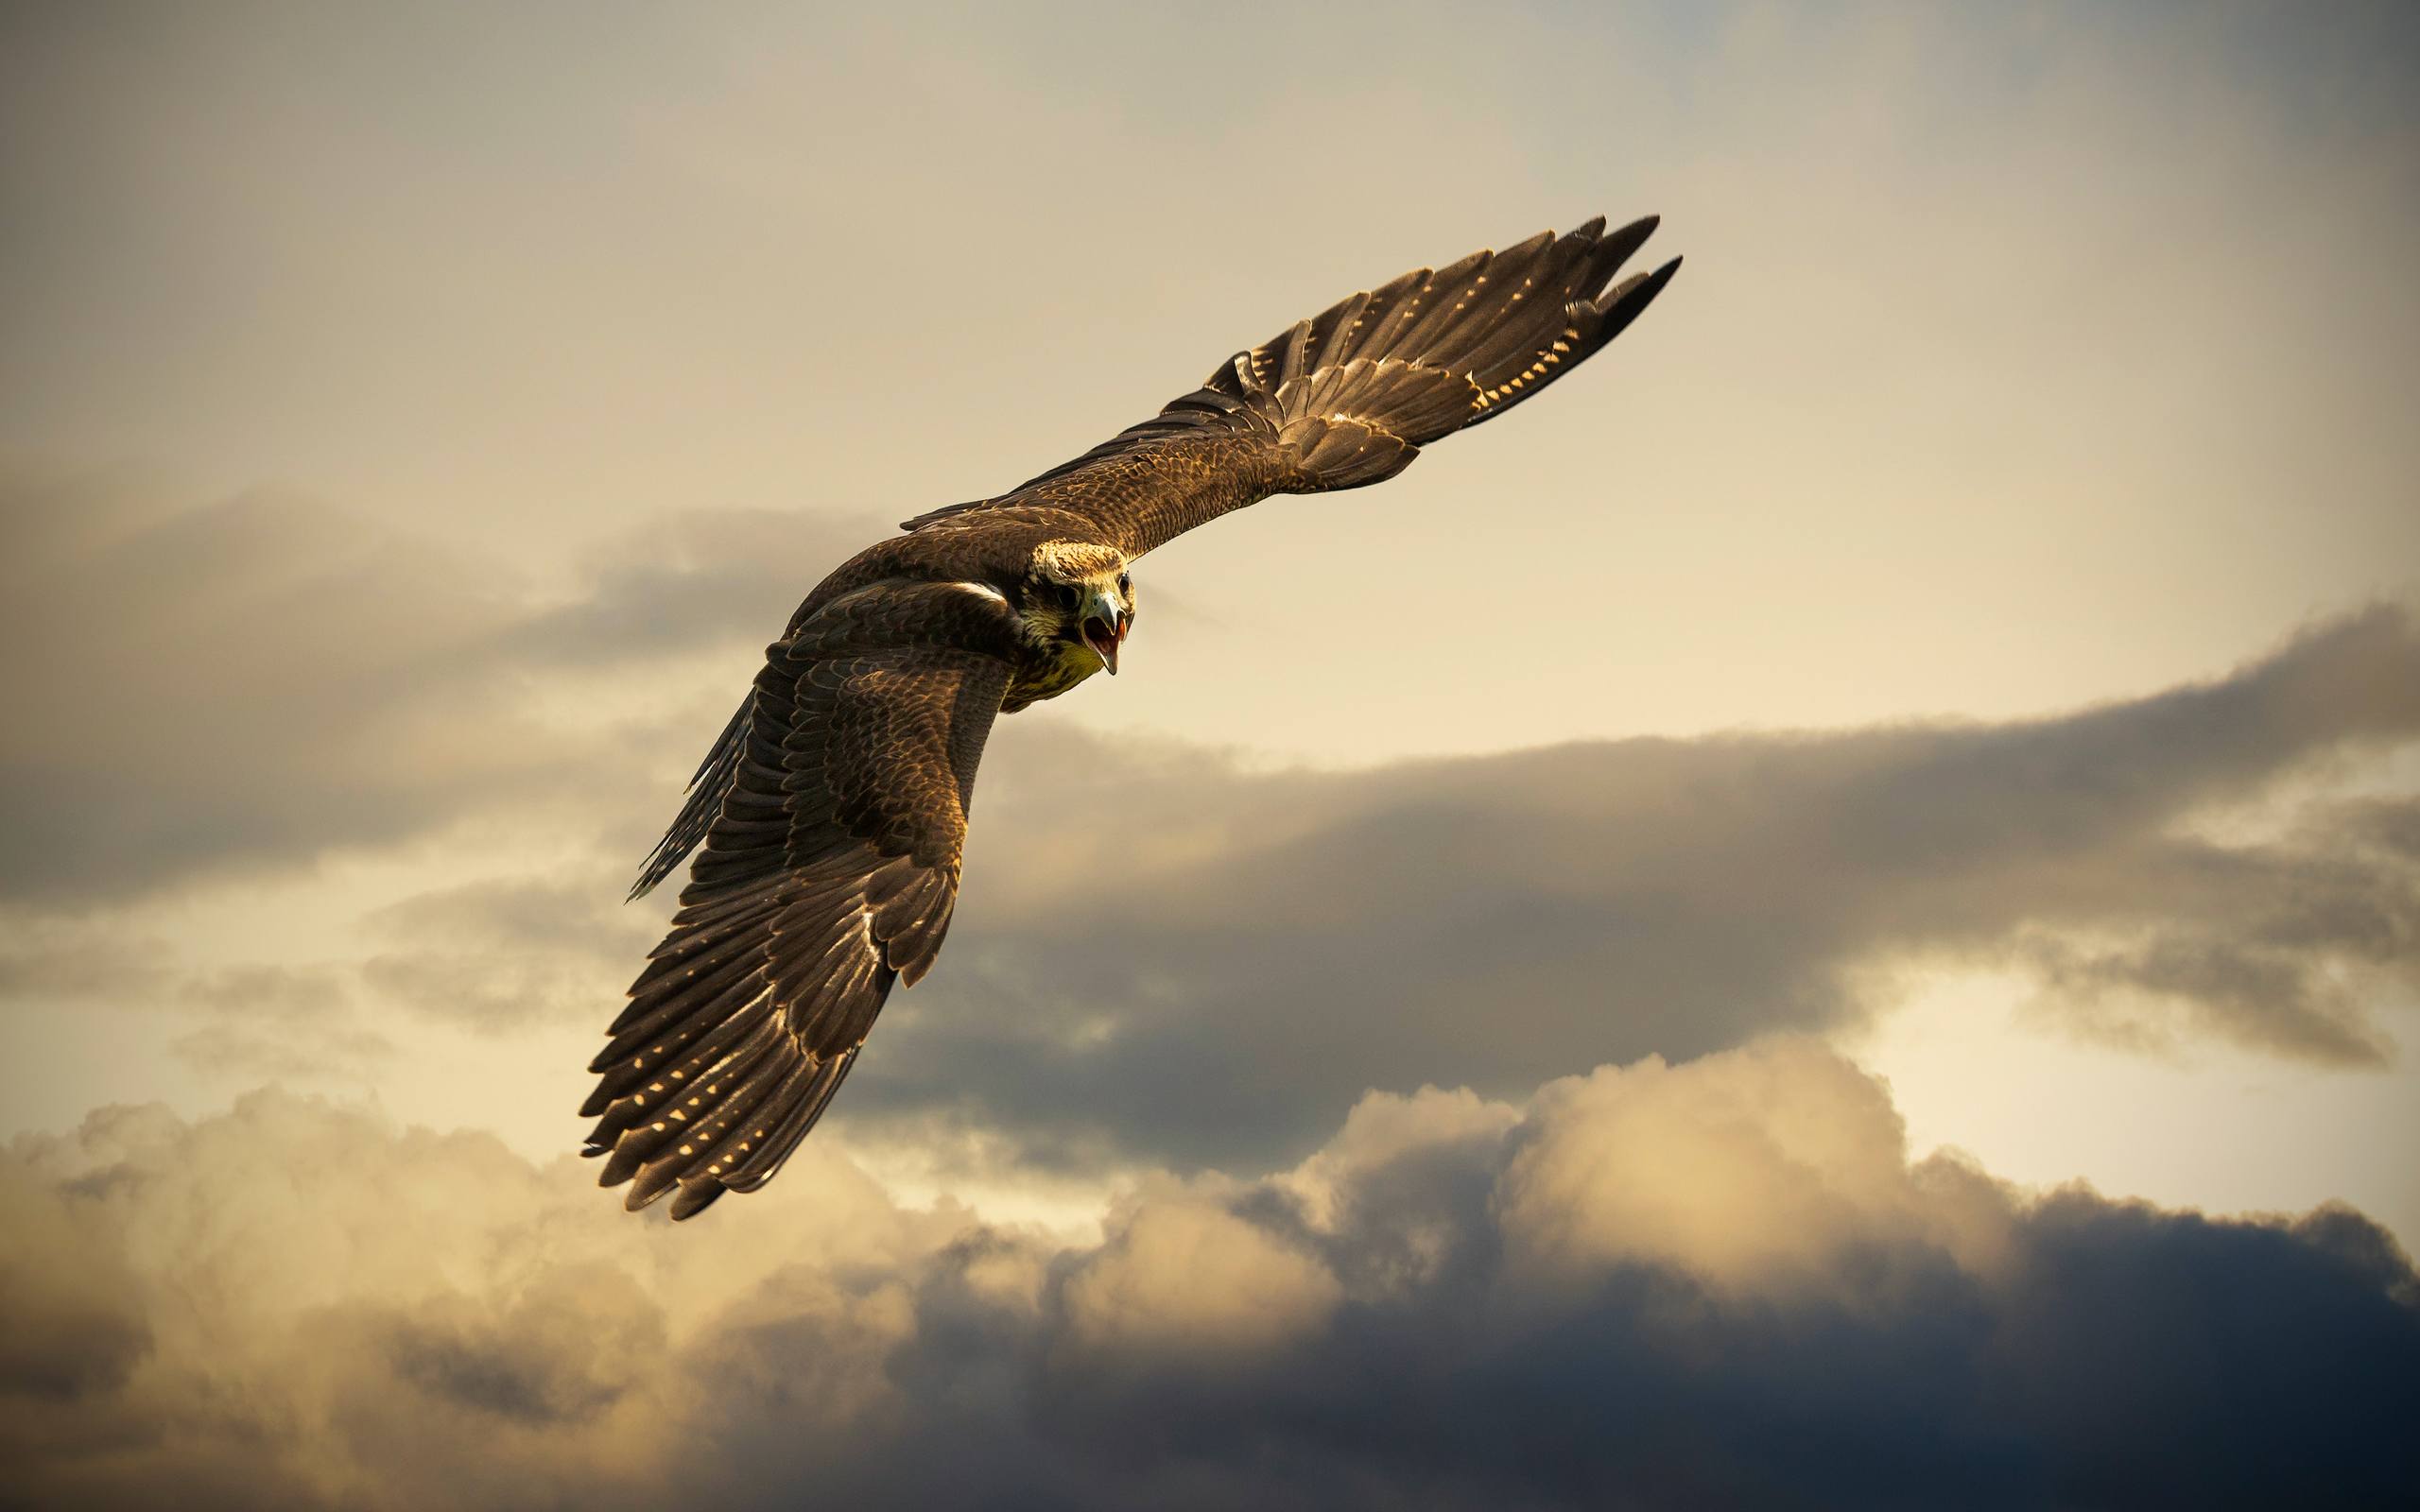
x=838, y=803
x=1348, y=397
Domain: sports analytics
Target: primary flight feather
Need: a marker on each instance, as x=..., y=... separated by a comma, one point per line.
x=832, y=810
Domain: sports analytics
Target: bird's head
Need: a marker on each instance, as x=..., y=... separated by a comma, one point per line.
x=1079, y=596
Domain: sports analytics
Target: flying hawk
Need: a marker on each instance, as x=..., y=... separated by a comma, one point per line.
x=833, y=808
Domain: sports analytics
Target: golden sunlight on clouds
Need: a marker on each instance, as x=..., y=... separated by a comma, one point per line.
x=339, y=1294
x=1752, y=1171
x=1832, y=912
x=1192, y=1277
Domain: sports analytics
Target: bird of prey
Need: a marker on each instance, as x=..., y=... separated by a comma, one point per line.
x=832, y=811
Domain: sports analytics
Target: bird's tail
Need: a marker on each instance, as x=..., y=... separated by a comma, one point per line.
x=1356, y=391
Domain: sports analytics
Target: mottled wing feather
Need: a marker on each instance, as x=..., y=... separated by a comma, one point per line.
x=1348, y=397
x=707, y=786
x=828, y=874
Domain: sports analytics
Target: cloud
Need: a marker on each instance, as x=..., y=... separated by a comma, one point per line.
x=264, y=680
x=245, y=681
x=73, y=1329
x=263, y=1021
x=1215, y=956
x=1756, y=1174
x=45, y=959
x=1716, y=1273
x=506, y=952
x=316, y=1307
x=1653, y=1285
x=1190, y=1277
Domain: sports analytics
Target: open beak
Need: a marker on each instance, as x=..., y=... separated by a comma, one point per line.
x=1104, y=630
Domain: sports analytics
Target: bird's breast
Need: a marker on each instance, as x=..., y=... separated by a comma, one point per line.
x=1047, y=674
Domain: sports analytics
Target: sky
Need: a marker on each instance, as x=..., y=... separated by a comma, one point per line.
x=1829, y=916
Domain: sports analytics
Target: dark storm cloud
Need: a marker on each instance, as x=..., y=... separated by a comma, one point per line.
x=264, y=679
x=1200, y=959
x=1714, y=1283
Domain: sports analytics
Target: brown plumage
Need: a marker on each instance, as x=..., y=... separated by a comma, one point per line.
x=833, y=808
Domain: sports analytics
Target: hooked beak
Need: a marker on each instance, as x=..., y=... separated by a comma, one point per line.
x=1104, y=631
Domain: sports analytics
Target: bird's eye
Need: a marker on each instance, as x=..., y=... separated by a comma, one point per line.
x=1069, y=597
x=1125, y=584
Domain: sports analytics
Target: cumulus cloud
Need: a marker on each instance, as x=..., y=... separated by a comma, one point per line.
x=72, y=1328
x=1217, y=956
x=1190, y=1277
x=315, y=1308
x=1653, y=1285
x=1754, y=1173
